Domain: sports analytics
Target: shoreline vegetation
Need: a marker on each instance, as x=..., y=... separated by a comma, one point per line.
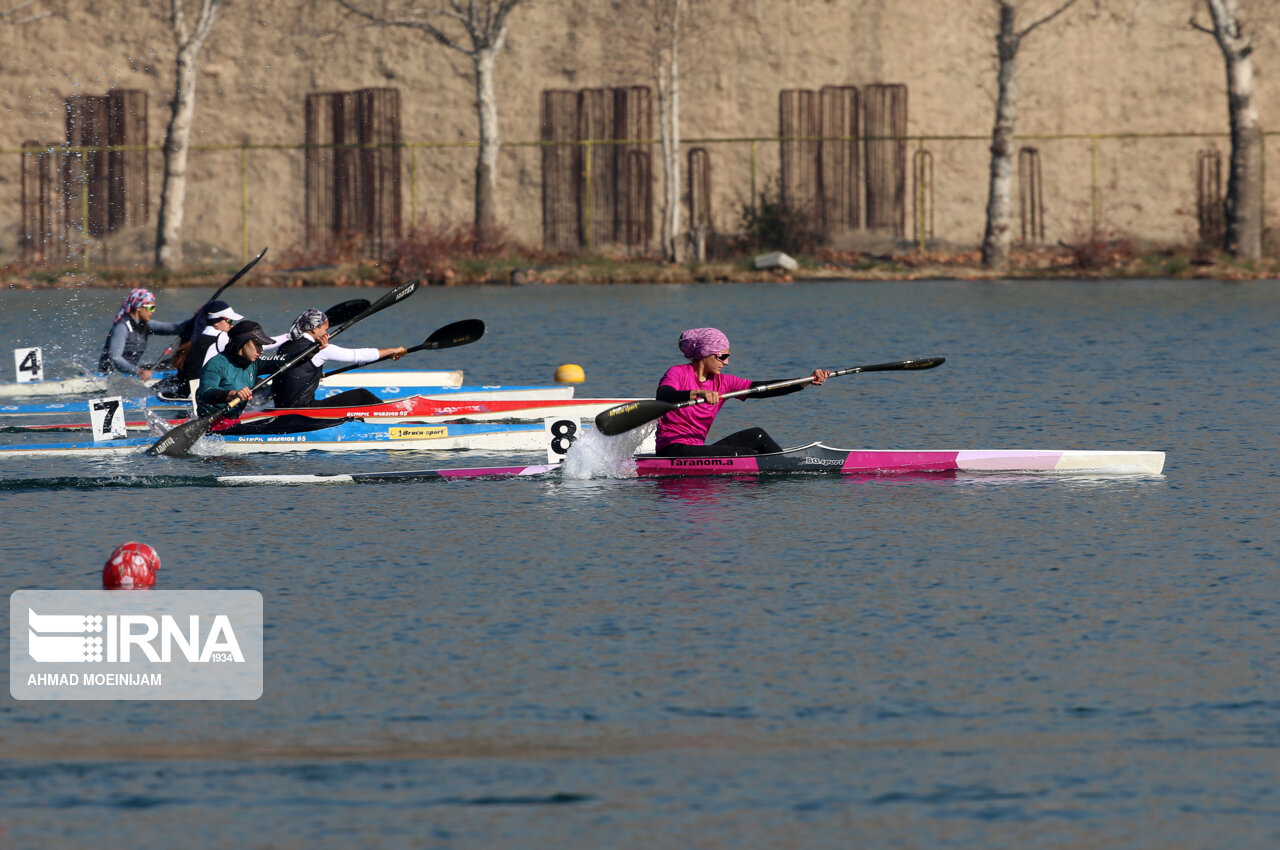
x=505, y=265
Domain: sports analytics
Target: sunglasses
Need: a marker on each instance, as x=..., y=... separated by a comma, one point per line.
x=150, y=307
x=723, y=358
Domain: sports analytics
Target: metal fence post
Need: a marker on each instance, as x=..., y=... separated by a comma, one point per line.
x=244, y=202
x=1093, y=185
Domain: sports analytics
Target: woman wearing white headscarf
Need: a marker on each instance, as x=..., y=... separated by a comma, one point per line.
x=296, y=386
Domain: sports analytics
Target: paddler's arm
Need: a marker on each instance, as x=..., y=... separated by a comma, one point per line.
x=671, y=395
x=182, y=329
x=216, y=384
x=819, y=375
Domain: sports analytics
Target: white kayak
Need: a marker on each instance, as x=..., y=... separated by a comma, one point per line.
x=344, y=437
x=99, y=382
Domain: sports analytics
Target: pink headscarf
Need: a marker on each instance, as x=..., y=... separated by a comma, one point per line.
x=699, y=342
x=135, y=299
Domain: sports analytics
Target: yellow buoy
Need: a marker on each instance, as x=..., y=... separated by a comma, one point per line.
x=570, y=373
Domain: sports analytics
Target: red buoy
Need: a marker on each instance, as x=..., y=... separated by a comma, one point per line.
x=132, y=566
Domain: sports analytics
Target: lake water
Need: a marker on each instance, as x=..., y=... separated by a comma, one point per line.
x=960, y=661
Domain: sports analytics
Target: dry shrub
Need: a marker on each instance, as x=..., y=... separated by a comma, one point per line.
x=433, y=251
x=1099, y=248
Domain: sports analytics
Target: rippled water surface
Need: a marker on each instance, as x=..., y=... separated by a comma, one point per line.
x=908, y=661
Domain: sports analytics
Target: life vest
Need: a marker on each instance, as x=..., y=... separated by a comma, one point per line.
x=190, y=368
x=296, y=386
x=134, y=345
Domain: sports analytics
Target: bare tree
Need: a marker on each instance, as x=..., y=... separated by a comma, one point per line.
x=484, y=23
x=999, y=232
x=22, y=13
x=177, y=137
x=665, y=19
x=1244, y=183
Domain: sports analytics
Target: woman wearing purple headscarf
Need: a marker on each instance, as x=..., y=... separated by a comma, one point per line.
x=683, y=432
x=122, y=352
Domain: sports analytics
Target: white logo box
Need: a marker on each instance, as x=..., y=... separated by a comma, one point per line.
x=135, y=645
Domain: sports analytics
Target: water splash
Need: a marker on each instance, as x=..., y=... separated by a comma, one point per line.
x=593, y=455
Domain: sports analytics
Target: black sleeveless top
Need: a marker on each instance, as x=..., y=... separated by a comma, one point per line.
x=295, y=387
x=195, y=357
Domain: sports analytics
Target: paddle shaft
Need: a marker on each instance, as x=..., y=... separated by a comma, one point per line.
x=922, y=363
x=450, y=336
x=244, y=271
x=624, y=417
x=183, y=437
x=213, y=298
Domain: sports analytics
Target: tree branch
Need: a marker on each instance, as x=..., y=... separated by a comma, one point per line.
x=1191, y=22
x=1049, y=17
x=375, y=20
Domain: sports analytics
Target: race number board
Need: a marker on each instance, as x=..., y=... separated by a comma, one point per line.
x=29, y=364
x=560, y=434
x=106, y=415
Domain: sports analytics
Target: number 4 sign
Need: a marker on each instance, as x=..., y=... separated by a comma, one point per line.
x=29, y=364
x=107, y=417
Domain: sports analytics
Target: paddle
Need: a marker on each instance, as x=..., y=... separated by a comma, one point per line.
x=178, y=441
x=339, y=313
x=633, y=414
x=464, y=332
x=186, y=344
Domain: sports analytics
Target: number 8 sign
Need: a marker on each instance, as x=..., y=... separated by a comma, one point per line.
x=29, y=364
x=560, y=434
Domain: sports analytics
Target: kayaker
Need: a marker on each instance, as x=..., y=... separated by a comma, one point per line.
x=296, y=386
x=234, y=372
x=127, y=341
x=209, y=338
x=683, y=432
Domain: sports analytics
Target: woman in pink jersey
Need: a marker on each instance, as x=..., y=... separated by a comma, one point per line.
x=683, y=432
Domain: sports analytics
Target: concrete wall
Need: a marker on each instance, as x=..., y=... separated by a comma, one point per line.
x=1132, y=67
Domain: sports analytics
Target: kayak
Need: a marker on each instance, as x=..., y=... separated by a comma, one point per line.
x=157, y=403
x=341, y=437
x=815, y=458
x=485, y=406
x=93, y=382
x=107, y=382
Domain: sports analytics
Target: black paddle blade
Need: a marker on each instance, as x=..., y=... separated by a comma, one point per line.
x=633, y=414
x=179, y=439
x=918, y=363
x=464, y=332
x=340, y=313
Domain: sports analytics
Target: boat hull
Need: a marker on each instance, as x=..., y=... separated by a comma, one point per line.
x=819, y=458
x=102, y=382
x=460, y=393
x=342, y=437
x=822, y=459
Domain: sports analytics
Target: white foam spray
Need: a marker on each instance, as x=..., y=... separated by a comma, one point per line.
x=593, y=455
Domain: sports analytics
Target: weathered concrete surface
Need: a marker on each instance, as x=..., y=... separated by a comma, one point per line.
x=1142, y=70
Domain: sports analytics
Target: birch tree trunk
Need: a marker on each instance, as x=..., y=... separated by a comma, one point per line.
x=486, y=213
x=1244, y=212
x=484, y=24
x=177, y=137
x=667, y=70
x=998, y=236
x=999, y=232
